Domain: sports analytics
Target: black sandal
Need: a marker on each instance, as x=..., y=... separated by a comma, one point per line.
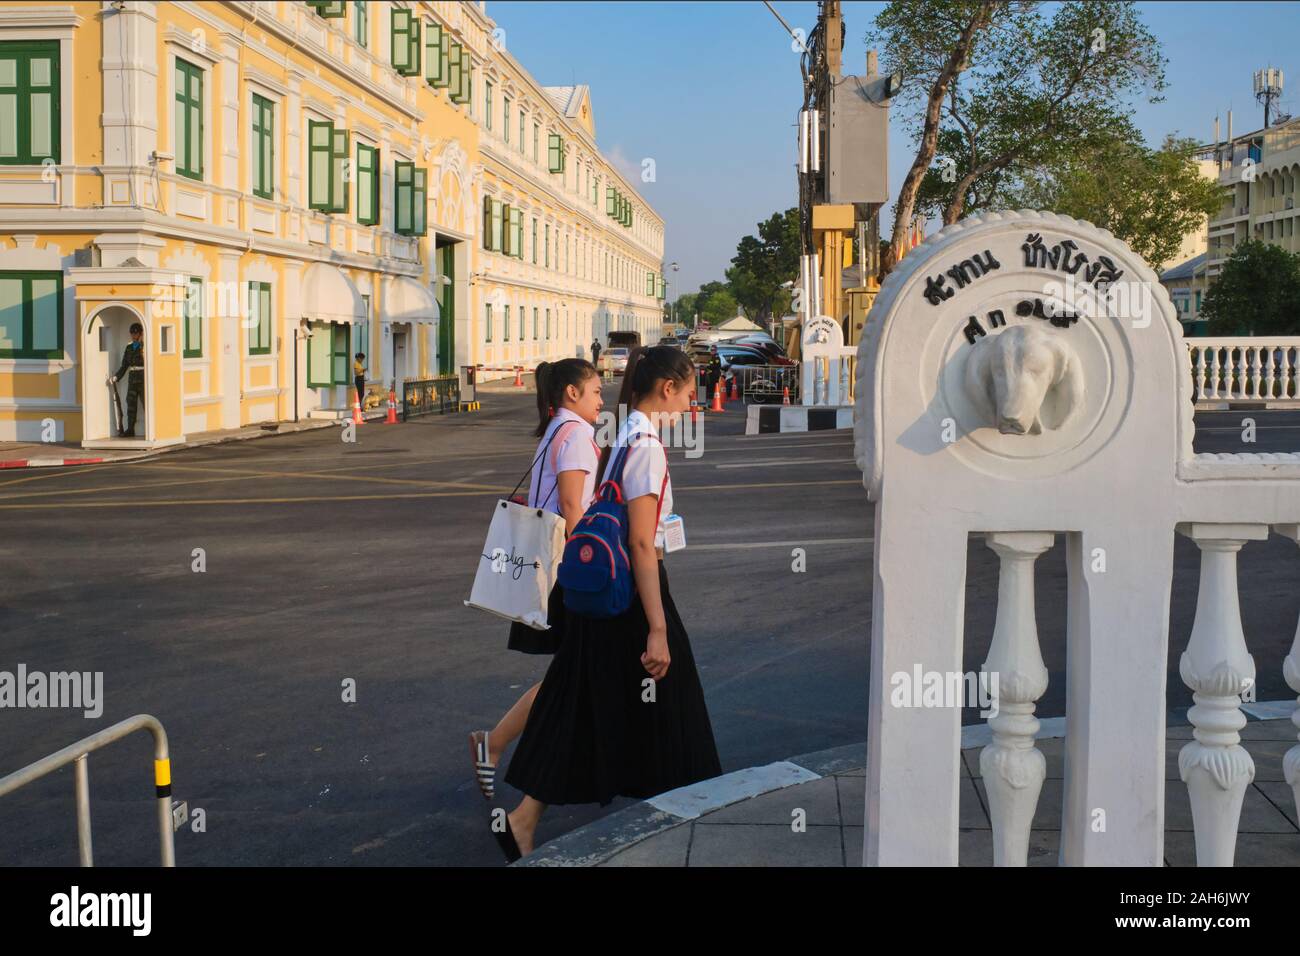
x=507, y=842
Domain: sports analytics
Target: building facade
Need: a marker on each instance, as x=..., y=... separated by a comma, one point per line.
x=1261, y=175
x=269, y=188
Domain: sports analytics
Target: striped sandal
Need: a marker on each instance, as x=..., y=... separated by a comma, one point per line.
x=484, y=771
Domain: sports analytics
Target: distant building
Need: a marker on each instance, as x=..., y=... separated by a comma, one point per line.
x=1261, y=175
x=1186, y=284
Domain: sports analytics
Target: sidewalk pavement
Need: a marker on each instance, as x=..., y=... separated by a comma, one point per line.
x=54, y=454
x=746, y=818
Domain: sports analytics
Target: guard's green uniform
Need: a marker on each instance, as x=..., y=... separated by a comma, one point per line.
x=132, y=362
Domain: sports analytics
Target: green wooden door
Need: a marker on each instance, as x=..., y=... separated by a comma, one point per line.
x=446, y=295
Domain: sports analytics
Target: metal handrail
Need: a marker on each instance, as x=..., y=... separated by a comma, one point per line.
x=76, y=755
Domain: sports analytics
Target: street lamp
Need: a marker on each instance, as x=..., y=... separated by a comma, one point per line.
x=672, y=303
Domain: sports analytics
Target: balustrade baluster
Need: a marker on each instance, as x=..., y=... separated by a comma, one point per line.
x=1268, y=373
x=1218, y=669
x=1252, y=382
x=1214, y=372
x=1200, y=373
x=1291, y=674
x=1012, y=767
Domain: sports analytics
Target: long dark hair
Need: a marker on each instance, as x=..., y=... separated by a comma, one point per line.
x=552, y=379
x=646, y=368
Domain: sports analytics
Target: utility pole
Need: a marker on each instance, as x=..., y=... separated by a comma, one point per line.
x=843, y=174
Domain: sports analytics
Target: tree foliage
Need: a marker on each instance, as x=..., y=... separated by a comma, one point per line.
x=1257, y=293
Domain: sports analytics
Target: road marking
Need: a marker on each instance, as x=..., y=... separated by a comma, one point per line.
x=311, y=499
x=792, y=461
x=747, y=545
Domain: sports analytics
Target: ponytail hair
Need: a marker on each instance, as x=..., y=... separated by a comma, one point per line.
x=646, y=368
x=552, y=378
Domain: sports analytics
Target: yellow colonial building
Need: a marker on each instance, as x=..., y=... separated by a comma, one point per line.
x=271, y=187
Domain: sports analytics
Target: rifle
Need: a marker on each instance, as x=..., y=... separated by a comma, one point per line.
x=117, y=403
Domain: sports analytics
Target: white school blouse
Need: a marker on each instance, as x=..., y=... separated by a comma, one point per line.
x=646, y=468
x=574, y=449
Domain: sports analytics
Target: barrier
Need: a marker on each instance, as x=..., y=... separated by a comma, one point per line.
x=78, y=755
x=979, y=413
x=430, y=396
x=761, y=384
x=1246, y=369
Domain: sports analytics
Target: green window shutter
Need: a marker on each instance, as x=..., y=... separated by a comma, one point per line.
x=517, y=233
x=548, y=323
x=546, y=258
x=505, y=324
x=434, y=56
x=609, y=200
x=534, y=323
x=419, y=200
x=505, y=119
x=31, y=315
x=367, y=184
x=534, y=246
x=332, y=9
x=487, y=322
x=403, y=198
x=400, y=36
x=340, y=173
x=361, y=22
x=507, y=238
x=263, y=147
x=466, y=76
x=320, y=348
x=522, y=126
x=414, y=48
x=259, y=318
x=497, y=212
x=320, y=183
x=29, y=102
x=454, y=78
x=444, y=59
x=188, y=134
x=339, y=354
x=554, y=153
x=522, y=320
x=537, y=135
x=193, y=347
x=649, y=283
x=487, y=222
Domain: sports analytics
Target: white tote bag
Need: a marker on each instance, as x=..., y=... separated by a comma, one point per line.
x=518, y=564
x=520, y=559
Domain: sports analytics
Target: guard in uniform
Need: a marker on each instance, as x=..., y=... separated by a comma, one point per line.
x=132, y=366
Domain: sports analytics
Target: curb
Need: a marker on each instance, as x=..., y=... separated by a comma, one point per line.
x=306, y=425
x=602, y=839
x=767, y=419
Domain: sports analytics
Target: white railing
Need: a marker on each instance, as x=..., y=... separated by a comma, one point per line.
x=1029, y=434
x=1246, y=369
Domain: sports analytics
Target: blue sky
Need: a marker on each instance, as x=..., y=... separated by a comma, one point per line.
x=710, y=92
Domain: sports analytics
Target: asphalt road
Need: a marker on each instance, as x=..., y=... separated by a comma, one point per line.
x=327, y=561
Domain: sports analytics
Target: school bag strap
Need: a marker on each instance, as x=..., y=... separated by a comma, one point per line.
x=529, y=473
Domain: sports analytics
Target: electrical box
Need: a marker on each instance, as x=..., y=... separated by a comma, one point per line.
x=857, y=167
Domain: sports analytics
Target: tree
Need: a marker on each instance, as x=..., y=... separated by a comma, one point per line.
x=763, y=264
x=686, y=308
x=1149, y=198
x=1257, y=293
x=931, y=42
x=719, y=307
x=707, y=292
x=1042, y=92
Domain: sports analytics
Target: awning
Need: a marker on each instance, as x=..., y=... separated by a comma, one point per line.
x=406, y=300
x=328, y=295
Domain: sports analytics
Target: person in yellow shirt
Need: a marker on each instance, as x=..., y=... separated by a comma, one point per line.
x=359, y=377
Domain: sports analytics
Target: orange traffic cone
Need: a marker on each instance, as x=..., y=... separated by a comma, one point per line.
x=785, y=395
x=519, y=377
x=356, y=410
x=735, y=395
x=717, y=399
x=392, y=408
x=695, y=411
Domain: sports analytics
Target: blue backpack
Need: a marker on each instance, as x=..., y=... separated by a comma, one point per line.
x=595, y=572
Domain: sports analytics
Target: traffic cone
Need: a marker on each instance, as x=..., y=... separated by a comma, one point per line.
x=356, y=409
x=735, y=395
x=519, y=377
x=695, y=411
x=392, y=408
x=717, y=399
x=785, y=395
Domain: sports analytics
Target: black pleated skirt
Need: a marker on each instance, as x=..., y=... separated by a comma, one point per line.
x=592, y=736
x=529, y=640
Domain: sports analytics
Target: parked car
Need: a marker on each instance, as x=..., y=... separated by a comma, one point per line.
x=614, y=359
x=670, y=341
x=766, y=356
x=623, y=339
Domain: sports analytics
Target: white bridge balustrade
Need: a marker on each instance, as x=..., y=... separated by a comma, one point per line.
x=826, y=364
x=1246, y=369
x=988, y=403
